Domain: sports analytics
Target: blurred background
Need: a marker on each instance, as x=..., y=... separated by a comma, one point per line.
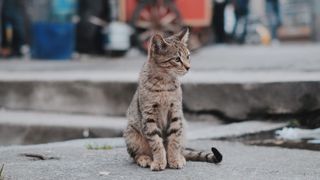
x=69, y=68
x=61, y=29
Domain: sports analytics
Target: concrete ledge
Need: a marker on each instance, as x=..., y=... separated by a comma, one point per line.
x=111, y=98
x=19, y=127
x=239, y=101
x=230, y=101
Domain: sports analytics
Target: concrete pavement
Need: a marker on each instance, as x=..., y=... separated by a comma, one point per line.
x=73, y=160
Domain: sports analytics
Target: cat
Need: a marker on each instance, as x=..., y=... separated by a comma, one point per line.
x=155, y=135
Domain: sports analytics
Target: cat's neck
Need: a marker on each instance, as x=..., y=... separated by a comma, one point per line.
x=158, y=79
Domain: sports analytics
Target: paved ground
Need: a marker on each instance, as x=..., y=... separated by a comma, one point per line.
x=72, y=160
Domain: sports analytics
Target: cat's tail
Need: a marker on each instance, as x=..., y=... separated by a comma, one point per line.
x=194, y=155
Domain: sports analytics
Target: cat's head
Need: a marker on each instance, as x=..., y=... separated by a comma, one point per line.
x=171, y=53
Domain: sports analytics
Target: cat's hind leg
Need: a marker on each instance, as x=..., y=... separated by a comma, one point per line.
x=138, y=147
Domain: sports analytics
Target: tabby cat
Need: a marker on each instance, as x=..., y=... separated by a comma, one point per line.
x=155, y=135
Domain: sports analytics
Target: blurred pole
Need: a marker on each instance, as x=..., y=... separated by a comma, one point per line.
x=1, y=24
x=14, y=25
x=241, y=10
x=273, y=16
x=114, y=10
x=218, y=20
x=88, y=34
x=316, y=20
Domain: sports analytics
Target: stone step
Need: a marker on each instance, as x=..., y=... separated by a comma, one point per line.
x=227, y=95
x=233, y=83
x=21, y=127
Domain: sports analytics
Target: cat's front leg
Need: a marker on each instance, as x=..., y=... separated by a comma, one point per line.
x=154, y=137
x=175, y=138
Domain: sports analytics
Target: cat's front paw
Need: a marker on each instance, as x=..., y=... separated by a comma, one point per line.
x=177, y=163
x=144, y=161
x=158, y=165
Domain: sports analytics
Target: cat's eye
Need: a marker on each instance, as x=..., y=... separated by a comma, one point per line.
x=177, y=59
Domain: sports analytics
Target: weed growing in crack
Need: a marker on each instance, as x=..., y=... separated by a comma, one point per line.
x=97, y=147
x=294, y=123
x=1, y=172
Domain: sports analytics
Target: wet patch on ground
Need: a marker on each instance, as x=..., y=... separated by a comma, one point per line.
x=293, y=138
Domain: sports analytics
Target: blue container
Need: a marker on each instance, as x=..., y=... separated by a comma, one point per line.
x=52, y=40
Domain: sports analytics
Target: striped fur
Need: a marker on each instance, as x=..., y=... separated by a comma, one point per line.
x=155, y=135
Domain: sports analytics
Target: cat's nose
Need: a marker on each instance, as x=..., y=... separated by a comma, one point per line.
x=187, y=68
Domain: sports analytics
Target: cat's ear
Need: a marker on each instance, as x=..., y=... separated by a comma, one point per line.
x=183, y=35
x=158, y=43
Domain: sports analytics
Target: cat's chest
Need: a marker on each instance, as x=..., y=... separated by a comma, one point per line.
x=166, y=99
x=165, y=102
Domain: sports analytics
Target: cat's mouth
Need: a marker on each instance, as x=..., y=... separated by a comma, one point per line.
x=183, y=72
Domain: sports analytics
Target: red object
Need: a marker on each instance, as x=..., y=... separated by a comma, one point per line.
x=193, y=13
